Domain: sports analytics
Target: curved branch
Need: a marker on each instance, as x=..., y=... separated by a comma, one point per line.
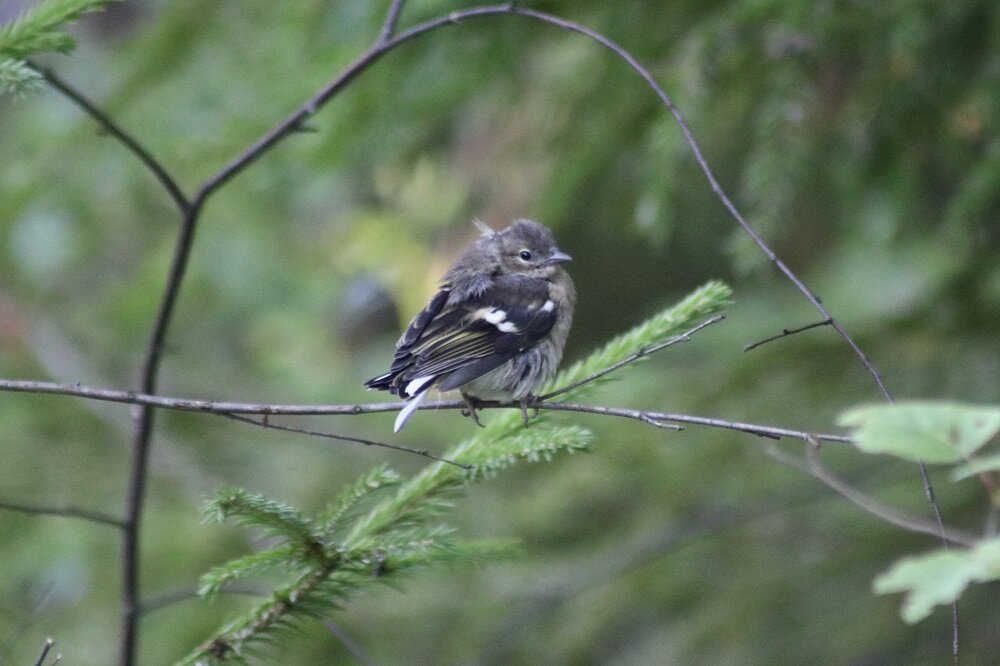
x=112, y=128
x=815, y=468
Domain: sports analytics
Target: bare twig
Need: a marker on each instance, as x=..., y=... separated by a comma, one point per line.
x=176, y=596
x=424, y=453
x=656, y=418
x=785, y=332
x=391, y=19
x=64, y=512
x=112, y=128
x=812, y=466
x=683, y=337
x=49, y=643
x=348, y=642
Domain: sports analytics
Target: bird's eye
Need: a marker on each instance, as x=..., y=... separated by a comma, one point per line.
x=525, y=254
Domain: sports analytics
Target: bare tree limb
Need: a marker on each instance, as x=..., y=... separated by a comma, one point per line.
x=49, y=644
x=348, y=642
x=112, y=128
x=424, y=453
x=64, y=512
x=656, y=418
x=391, y=20
x=785, y=332
x=176, y=596
x=231, y=409
x=812, y=466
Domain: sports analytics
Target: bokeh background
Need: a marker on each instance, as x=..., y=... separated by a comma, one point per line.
x=859, y=138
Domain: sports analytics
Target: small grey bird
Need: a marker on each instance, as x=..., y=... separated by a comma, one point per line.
x=497, y=327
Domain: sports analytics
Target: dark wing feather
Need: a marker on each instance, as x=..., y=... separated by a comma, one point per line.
x=463, y=341
x=401, y=359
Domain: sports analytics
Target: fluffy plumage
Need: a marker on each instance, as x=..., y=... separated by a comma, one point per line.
x=496, y=328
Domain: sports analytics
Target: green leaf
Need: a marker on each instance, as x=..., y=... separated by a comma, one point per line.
x=932, y=432
x=976, y=466
x=939, y=577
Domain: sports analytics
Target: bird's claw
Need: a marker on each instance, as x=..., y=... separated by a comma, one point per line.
x=524, y=402
x=470, y=410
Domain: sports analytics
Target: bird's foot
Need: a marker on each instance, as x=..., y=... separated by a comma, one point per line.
x=524, y=402
x=471, y=405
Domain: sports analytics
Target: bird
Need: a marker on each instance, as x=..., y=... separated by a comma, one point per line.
x=495, y=329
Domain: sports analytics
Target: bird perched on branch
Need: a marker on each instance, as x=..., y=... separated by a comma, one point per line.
x=495, y=330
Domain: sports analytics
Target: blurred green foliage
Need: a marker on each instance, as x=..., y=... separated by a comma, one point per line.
x=859, y=138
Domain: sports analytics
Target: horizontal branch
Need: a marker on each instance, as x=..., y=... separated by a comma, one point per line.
x=659, y=418
x=224, y=408
x=63, y=512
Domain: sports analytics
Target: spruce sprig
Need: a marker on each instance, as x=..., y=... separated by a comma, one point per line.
x=360, y=539
x=41, y=29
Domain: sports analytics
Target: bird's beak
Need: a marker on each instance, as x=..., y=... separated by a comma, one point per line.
x=557, y=257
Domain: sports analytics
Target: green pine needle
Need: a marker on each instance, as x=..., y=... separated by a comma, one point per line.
x=254, y=510
x=703, y=302
x=377, y=479
x=282, y=556
x=41, y=28
x=17, y=77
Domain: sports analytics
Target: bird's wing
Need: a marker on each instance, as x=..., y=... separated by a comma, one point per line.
x=468, y=339
x=401, y=360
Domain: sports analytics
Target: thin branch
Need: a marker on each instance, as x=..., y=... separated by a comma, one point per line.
x=295, y=119
x=815, y=468
x=390, y=22
x=683, y=337
x=348, y=642
x=231, y=409
x=424, y=453
x=49, y=644
x=64, y=512
x=785, y=332
x=112, y=128
x=658, y=418
x=170, y=598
